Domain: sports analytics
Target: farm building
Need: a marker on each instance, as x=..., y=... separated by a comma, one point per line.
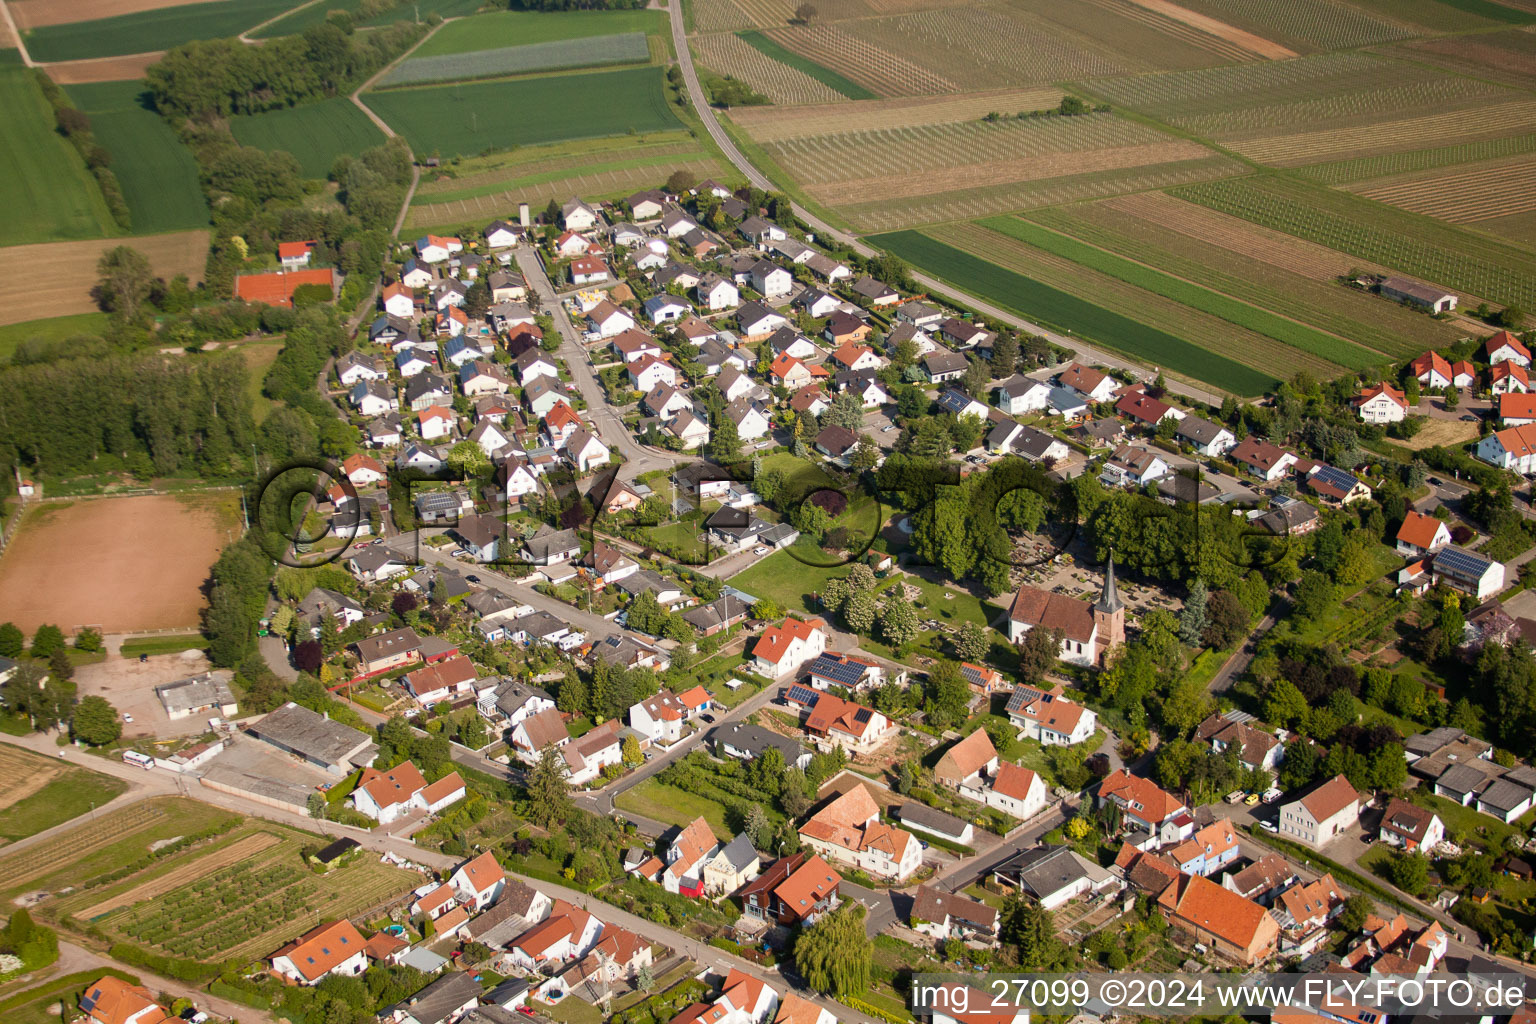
x=1417, y=293
x=316, y=739
x=208, y=692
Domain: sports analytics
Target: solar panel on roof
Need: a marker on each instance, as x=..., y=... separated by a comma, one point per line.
x=803, y=694
x=1462, y=562
x=1335, y=476
x=840, y=672
x=971, y=675
x=862, y=715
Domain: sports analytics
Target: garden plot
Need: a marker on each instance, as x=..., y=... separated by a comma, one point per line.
x=185, y=874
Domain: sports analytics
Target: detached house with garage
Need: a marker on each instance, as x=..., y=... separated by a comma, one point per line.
x=793, y=890
x=1146, y=806
x=1207, y=438
x=849, y=830
x=942, y=915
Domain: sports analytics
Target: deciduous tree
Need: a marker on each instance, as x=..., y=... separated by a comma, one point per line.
x=95, y=721
x=834, y=955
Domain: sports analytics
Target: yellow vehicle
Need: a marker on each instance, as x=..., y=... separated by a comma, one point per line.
x=1253, y=798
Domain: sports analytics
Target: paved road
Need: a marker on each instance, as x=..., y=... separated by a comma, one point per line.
x=73, y=958
x=595, y=626
x=760, y=180
x=610, y=426
x=1238, y=663
x=973, y=869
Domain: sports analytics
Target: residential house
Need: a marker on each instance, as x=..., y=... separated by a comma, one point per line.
x=1231, y=925
x=1054, y=875
x=1381, y=403
x=876, y=293
x=567, y=934
x=388, y=796
x=1019, y=395
x=1513, y=448
x=1015, y=791
x=846, y=670
x=782, y=649
x=733, y=866
x=1263, y=459
x=442, y=681
x=434, y=422
x=942, y=915
x=835, y=722
x=1517, y=410
x=747, y=742
x=1206, y=852
x=846, y=329
x=720, y=614
x=1092, y=385
x=1256, y=749
x=586, y=452
x=1323, y=812
x=849, y=830
x=758, y=321
x=715, y=293
x=943, y=366
x=1505, y=346
x=664, y=308
x=817, y=303
x=972, y=755
x=953, y=400
x=1207, y=438
x=1421, y=534
x=1135, y=467
x=389, y=650
x=1432, y=370
x=1336, y=486
x=649, y=370
x=1146, y=806
x=437, y=248
x=1144, y=409
x=372, y=397
x=1049, y=718
x=549, y=546
x=661, y=718
x=1467, y=571
x=1508, y=378
x=588, y=270
x=111, y=1000
x=334, y=948
x=769, y=279
x=1413, y=828
x=835, y=442
x=793, y=890
x=751, y=421
x=541, y=729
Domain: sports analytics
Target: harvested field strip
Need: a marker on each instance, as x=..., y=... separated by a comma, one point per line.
x=108, y=69
x=1415, y=245
x=498, y=30
x=993, y=48
x=1033, y=299
x=480, y=175
x=774, y=124
x=1343, y=172
x=55, y=278
x=893, y=152
x=1319, y=24
x=23, y=773
x=594, y=51
x=1014, y=169
x=1174, y=30
x=1490, y=123
x=1207, y=332
x=1463, y=196
x=594, y=183
x=826, y=76
x=1346, y=312
x=196, y=868
x=879, y=70
x=1220, y=29
x=1286, y=331
x=1509, y=55
x=988, y=201
x=30, y=14
x=728, y=53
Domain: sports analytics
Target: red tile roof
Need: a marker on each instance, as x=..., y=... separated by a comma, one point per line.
x=1431, y=361
x=1508, y=368
x=1147, y=799
x=395, y=786
x=776, y=640
x=967, y=757
x=290, y=250
x=1503, y=338
x=1419, y=529
x=1517, y=407
x=1013, y=781
x=1141, y=406
x=1050, y=610
x=322, y=949
x=1366, y=394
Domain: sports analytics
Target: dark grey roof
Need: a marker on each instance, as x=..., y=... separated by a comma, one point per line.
x=944, y=362
x=1016, y=385
x=739, y=852
x=924, y=817
x=547, y=541
x=1504, y=795
x=1033, y=443
x=871, y=288
x=538, y=625
x=1461, y=778
x=1425, y=743
x=440, y=1000
x=1201, y=431
x=718, y=612
x=310, y=734
x=755, y=739
x=1043, y=870
x=514, y=694
x=642, y=581
x=203, y=691
x=1461, y=563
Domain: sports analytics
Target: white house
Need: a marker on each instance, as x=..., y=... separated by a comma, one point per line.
x=770, y=279
x=661, y=718
x=434, y=422
x=1049, y=718
x=585, y=451
x=1011, y=789
x=372, y=397
x=1505, y=345
x=1019, y=395
x=1513, y=448
x=662, y=309
x=1421, y=534
x=1093, y=385
x=716, y=293
x=1411, y=827
x=576, y=215
x=1381, y=403
x=750, y=421
x=330, y=949
x=436, y=248
x=398, y=300
x=501, y=235
x=1325, y=811
x=607, y=320
x=849, y=830
x=1134, y=466
x=648, y=371
x=389, y=796
x=1207, y=438
x=785, y=647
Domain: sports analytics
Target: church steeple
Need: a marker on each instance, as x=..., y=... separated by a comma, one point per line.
x=1109, y=601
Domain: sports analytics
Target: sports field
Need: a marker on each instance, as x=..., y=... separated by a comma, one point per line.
x=158, y=175
x=558, y=54
x=45, y=190
x=124, y=564
x=55, y=278
x=476, y=117
x=979, y=267
x=499, y=29
x=316, y=133
x=145, y=30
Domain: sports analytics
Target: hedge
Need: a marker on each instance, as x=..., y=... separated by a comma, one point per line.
x=176, y=968
x=874, y=1011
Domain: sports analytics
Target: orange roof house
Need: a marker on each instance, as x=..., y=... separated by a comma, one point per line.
x=850, y=829
x=967, y=757
x=1420, y=534
x=296, y=252
x=1430, y=364
x=277, y=288
x=1237, y=927
x=396, y=786
x=1141, y=800
x=337, y=946
x=114, y=1001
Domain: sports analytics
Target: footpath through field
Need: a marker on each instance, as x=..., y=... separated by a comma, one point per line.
x=759, y=180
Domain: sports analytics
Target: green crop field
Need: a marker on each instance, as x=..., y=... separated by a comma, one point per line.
x=558, y=54
x=314, y=14
x=1347, y=312
x=316, y=133
x=521, y=28
x=1409, y=242
x=825, y=75
x=144, y=31
x=54, y=329
x=158, y=174
x=408, y=10
x=1032, y=299
x=481, y=116
x=1281, y=329
x=45, y=190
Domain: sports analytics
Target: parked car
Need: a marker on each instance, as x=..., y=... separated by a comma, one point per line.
x=1269, y=826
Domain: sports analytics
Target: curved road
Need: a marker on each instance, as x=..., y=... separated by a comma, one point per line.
x=759, y=180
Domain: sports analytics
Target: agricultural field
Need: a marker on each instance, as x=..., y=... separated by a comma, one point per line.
x=425, y=8
x=1279, y=328
x=825, y=75
x=129, y=68
x=30, y=14
x=235, y=898
x=105, y=843
x=994, y=267
x=592, y=51
x=45, y=190
x=1507, y=56
x=886, y=178
x=480, y=116
x=1145, y=228
x=728, y=53
x=776, y=124
x=316, y=133
x=158, y=174
x=55, y=278
x=59, y=328
x=38, y=793
x=1477, y=266
x=146, y=30
x=1344, y=172
x=1435, y=15
x=1304, y=24
x=1461, y=195
x=502, y=29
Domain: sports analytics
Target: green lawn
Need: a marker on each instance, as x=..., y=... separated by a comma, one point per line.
x=783, y=579
x=153, y=645
x=682, y=538
x=1472, y=823
x=1052, y=306
x=316, y=133
x=825, y=75
x=45, y=190
x=158, y=174
x=479, y=117
x=143, y=31
x=555, y=55
x=653, y=799
x=522, y=28
x=54, y=329
x=70, y=795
